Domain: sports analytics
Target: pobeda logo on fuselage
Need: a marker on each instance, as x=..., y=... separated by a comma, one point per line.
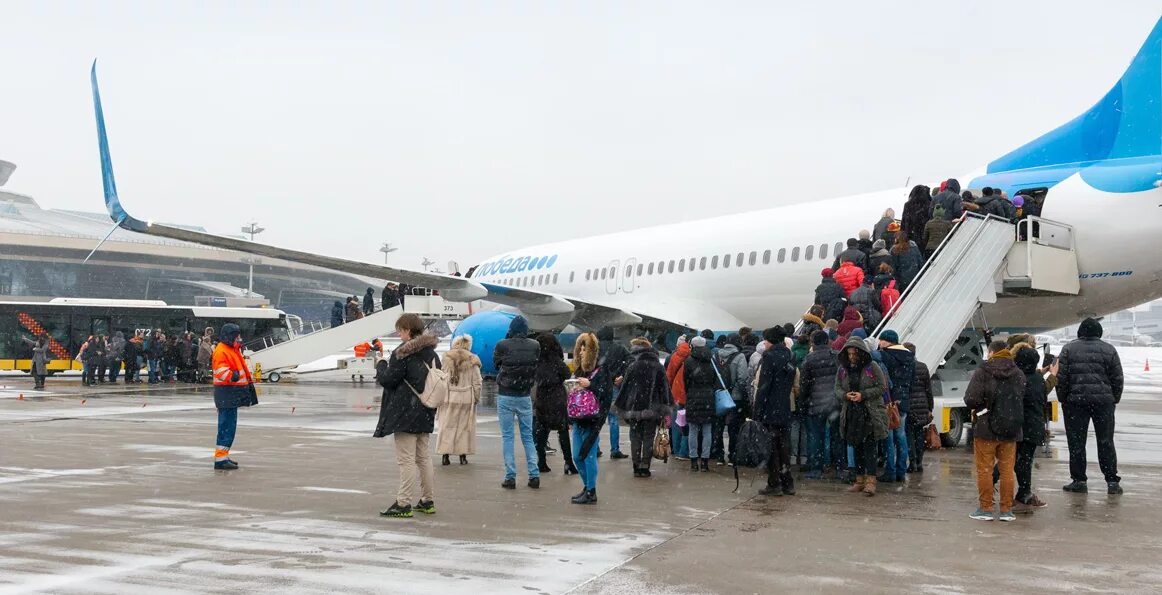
x=517, y=264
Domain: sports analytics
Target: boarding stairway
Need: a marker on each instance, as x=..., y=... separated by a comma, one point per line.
x=271, y=362
x=982, y=258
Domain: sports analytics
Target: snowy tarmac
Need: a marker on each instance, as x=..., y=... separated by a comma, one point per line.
x=116, y=494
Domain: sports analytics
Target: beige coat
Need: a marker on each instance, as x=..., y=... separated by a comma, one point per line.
x=457, y=416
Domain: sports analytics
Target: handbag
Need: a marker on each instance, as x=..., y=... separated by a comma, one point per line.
x=582, y=405
x=893, y=416
x=932, y=438
x=723, y=401
x=662, y=444
x=680, y=418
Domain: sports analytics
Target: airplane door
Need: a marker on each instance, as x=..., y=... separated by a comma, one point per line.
x=629, y=280
x=611, y=281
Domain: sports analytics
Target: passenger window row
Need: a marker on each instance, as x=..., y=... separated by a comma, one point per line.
x=692, y=264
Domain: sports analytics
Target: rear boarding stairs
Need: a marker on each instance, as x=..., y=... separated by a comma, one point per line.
x=983, y=258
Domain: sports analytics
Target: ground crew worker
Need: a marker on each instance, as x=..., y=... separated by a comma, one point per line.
x=233, y=388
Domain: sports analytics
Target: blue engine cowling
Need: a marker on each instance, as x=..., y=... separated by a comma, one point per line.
x=487, y=329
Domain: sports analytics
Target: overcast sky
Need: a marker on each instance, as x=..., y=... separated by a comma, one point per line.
x=459, y=130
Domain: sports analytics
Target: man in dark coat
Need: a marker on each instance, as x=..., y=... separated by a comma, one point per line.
x=853, y=254
x=901, y=368
x=1089, y=387
x=866, y=300
x=920, y=405
x=1033, y=431
x=369, y=302
x=992, y=203
x=389, y=297
x=404, y=376
x=950, y=200
x=337, y=314
x=817, y=398
x=516, y=361
x=772, y=408
x=829, y=295
x=614, y=358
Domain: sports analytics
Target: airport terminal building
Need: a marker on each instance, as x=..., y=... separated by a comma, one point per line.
x=42, y=250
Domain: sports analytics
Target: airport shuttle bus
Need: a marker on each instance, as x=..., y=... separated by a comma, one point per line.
x=70, y=321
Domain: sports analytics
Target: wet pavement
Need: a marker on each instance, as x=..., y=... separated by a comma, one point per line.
x=111, y=490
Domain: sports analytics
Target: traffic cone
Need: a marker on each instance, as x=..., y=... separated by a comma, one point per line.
x=21, y=397
x=1147, y=365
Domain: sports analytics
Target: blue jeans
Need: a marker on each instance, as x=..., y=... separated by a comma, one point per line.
x=701, y=437
x=520, y=408
x=587, y=467
x=614, y=433
x=896, y=449
x=678, y=443
x=227, y=426
x=153, y=371
x=816, y=426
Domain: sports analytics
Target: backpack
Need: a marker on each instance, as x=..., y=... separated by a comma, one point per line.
x=754, y=447
x=725, y=372
x=435, y=387
x=889, y=297
x=1007, y=414
x=582, y=405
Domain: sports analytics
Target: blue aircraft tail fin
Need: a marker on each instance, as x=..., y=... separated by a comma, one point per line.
x=1124, y=125
x=112, y=201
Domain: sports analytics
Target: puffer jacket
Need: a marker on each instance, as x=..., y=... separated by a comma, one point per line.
x=950, y=200
x=701, y=381
x=920, y=402
x=515, y=359
x=866, y=301
x=907, y=265
x=674, y=373
x=849, y=277
x=817, y=382
x=935, y=231
x=828, y=292
x=1035, y=399
x=811, y=323
x=877, y=258
x=871, y=385
x=982, y=389
x=1090, y=373
x=901, y=367
x=851, y=321
x=406, y=369
x=645, y=392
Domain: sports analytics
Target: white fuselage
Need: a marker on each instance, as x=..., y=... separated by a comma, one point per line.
x=1114, y=233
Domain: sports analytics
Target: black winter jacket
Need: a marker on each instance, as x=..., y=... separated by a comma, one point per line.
x=1090, y=373
x=817, y=382
x=516, y=360
x=866, y=299
x=831, y=296
x=401, y=410
x=614, y=358
x=920, y=403
x=951, y=201
x=645, y=393
x=855, y=255
x=917, y=212
x=550, y=402
x=901, y=367
x=772, y=402
x=701, y=382
x=1035, y=401
x=997, y=206
x=907, y=265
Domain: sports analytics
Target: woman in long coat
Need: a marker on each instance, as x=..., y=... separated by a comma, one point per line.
x=550, y=411
x=457, y=416
x=40, y=357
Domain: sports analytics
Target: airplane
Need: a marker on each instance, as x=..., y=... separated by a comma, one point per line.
x=1102, y=172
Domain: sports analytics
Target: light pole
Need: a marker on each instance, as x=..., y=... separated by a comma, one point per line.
x=253, y=229
x=387, y=249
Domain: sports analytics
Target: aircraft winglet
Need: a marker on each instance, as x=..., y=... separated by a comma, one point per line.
x=112, y=202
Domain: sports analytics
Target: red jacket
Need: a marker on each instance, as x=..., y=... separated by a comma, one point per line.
x=851, y=321
x=849, y=277
x=674, y=373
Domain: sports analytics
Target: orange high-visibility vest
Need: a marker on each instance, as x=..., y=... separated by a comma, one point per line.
x=226, y=361
x=362, y=349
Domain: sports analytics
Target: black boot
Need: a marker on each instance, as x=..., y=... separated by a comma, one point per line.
x=541, y=464
x=463, y=459
x=693, y=464
x=570, y=468
x=788, y=484
x=446, y=461
x=705, y=464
